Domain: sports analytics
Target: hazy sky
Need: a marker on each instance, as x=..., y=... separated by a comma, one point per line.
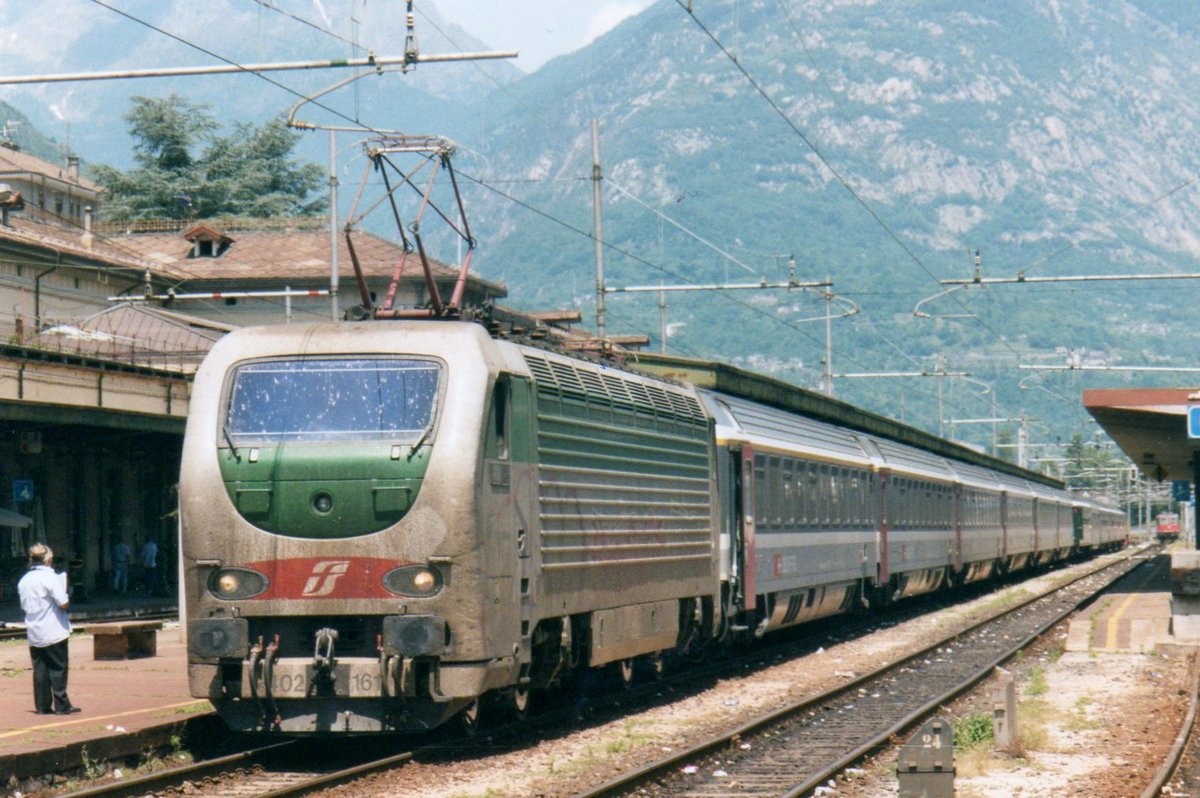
x=538, y=29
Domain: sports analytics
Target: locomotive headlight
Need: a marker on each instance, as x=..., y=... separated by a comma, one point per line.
x=413, y=580
x=236, y=583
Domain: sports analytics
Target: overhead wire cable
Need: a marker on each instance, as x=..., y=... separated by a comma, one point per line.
x=1101, y=228
x=267, y=4
x=368, y=128
x=737, y=63
x=637, y=258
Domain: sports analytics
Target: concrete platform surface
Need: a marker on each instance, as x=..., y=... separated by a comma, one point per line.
x=1134, y=615
x=128, y=705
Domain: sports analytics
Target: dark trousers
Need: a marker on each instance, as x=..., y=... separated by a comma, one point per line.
x=50, y=665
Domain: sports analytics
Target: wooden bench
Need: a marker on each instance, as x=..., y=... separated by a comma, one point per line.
x=124, y=639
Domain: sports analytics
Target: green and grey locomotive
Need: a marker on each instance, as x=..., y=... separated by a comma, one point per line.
x=384, y=522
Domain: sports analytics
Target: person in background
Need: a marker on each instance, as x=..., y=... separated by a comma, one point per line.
x=44, y=600
x=121, y=556
x=150, y=566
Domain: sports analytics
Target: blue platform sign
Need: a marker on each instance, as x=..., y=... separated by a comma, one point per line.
x=1181, y=490
x=23, y=490
x=1193, y=422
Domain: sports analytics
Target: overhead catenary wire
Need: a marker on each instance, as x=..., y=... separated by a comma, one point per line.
x=369, y=128
x=758, y=88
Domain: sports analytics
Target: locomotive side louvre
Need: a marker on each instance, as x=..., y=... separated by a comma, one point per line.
x=626, y=505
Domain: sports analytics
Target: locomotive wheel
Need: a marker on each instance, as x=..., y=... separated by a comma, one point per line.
x=519, y=701
x=654, y=665
x=625, y=671
x=469, y=718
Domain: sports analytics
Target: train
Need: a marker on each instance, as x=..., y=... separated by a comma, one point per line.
x=1167, y=527
x=388, y=525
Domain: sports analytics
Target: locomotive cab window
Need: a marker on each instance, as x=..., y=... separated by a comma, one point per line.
x=332, y=399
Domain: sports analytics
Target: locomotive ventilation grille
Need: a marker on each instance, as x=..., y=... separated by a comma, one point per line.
x=623, y=469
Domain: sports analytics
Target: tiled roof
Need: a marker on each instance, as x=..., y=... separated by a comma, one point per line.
x=23, y=163
x=276, y=256
x=68, y=241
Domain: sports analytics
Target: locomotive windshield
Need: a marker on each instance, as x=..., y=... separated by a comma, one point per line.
x=332, y=400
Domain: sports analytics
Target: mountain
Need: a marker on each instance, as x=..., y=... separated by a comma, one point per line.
x=68, y=36
x=880, y=144
x=15, y=127
x=889, y=141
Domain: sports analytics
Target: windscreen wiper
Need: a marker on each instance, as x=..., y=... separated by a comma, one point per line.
x=229, y=439
x=420, y=441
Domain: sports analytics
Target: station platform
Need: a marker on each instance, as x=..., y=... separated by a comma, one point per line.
x=1132, y=616
x=128, y=706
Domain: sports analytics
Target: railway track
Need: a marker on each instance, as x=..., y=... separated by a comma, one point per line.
x=1179, y=773
x=290, y=768
x=792, y=751
x=268, y=772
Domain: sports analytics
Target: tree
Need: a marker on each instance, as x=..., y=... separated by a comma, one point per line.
x=250, y=172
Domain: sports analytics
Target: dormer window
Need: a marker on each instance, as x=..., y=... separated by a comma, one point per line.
x=207, y=242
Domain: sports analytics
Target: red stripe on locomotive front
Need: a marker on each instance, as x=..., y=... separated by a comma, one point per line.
x=325, y=577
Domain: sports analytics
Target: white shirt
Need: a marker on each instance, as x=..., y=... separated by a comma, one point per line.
x=43, y=594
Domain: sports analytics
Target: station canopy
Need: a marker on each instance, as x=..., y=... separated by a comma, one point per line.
x=1150, y=426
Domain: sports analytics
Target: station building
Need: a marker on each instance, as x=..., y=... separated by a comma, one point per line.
x=95, y=378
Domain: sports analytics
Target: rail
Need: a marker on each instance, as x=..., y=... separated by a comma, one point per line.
x=815, y=738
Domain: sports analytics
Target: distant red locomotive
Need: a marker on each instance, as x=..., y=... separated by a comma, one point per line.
x=1168, y=527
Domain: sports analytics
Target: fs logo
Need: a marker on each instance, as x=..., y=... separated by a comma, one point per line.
x=324, y=578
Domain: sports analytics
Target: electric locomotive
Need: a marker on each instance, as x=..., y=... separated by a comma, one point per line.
x=1167, y=527
x=383, y=521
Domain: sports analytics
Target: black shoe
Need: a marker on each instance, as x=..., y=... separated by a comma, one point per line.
x=67, y=710
x=42, y=712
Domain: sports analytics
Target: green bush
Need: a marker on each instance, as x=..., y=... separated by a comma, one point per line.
x=974, y=730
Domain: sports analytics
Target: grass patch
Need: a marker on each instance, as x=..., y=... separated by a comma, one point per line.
x=1037, y=682
x=973, y=731
x=11, y=673
x=195, y=708
x=1032, y=734
x=1006, y=599
x=1078, y=719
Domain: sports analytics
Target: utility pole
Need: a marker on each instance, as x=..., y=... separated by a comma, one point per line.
x=662, y=320
x=333, y=227
x=1022, y=442
x=941, y=412
x=827, y=369
x=597, y=233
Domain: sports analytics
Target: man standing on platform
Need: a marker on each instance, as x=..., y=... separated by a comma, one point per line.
x=150, y=567
x=44, y=599
x=121, y=557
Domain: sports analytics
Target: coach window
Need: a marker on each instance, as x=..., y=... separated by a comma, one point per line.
x=789, y=492
x=763, y=489
x=858, y=497
x=778, y=510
